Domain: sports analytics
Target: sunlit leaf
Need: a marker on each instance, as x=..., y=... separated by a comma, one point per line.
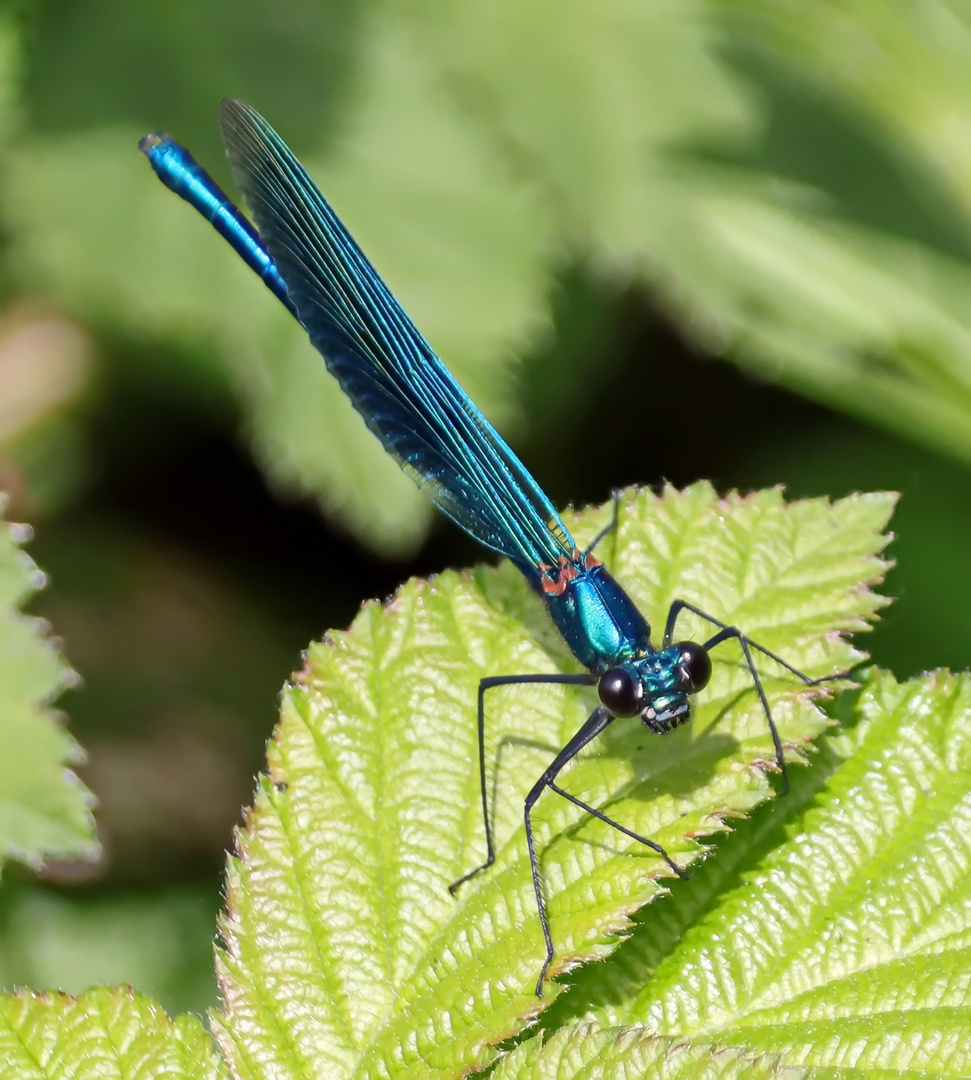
x=344, y=953
x=586, y=1051
x=845, y=949
x=108, y=1033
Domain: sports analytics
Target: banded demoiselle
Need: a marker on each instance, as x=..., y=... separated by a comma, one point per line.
x=429, y=425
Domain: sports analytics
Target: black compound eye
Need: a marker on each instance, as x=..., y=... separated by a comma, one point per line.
x=620, y=692
x=695, y=666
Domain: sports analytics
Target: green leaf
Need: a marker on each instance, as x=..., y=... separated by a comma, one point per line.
x=845, y=951
x=44, y=809
x=603, y=1054
x=106, y=1033
x=344, y=953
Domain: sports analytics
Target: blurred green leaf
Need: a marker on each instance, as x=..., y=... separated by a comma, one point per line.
x=114, y=1034
x=902, y=65
x=459, y=241
x=588, y=101
x=157, y=63
x=44, y=810
x=344, y=952
x=799, y=223
x=843, y=950
x=72, y=939
x=662, y=147
x=871, y=312
x=796, y=197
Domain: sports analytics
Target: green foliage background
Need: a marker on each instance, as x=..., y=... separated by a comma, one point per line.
x=653, y=240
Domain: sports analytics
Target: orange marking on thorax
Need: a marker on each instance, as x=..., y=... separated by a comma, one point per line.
x=556, y=586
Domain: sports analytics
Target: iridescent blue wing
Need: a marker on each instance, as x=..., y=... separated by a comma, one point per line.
x=406, y=395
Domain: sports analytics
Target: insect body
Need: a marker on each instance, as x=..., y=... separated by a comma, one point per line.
x=424, y=419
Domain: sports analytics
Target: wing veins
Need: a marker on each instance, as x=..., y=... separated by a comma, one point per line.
x=362, y=319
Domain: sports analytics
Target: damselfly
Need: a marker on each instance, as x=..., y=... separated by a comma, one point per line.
x=424, y=419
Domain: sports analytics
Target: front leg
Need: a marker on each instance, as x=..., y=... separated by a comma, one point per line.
x=487, y=684
x=727, y=633
x=595, y=724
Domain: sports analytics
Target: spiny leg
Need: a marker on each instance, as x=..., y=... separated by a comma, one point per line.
x=682, y=605
x=487, y=684
x=726, y=633
x=609, y=528
x=595, y=724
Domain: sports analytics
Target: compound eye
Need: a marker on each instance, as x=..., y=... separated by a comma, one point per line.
x=695, y=666
x=620, y=692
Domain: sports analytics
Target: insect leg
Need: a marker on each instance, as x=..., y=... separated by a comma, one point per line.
x=595, y=724
x=727, y=633
x=682, y=605
x=487, y=684
x=607, y=528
